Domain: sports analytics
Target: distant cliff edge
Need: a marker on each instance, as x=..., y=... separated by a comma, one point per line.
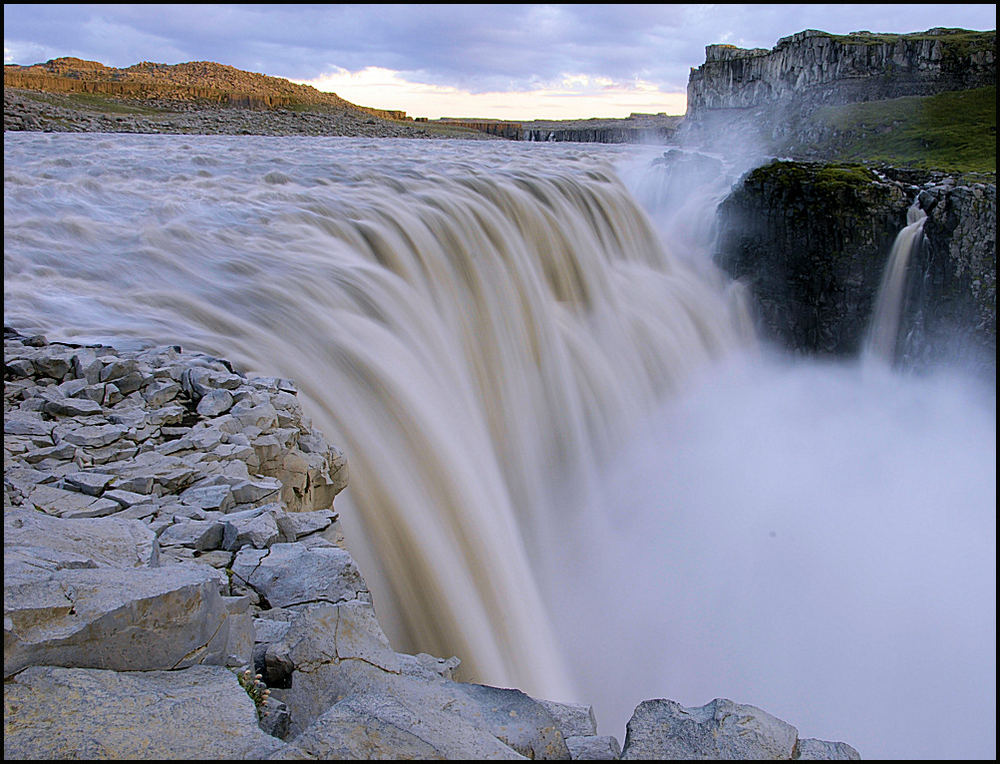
x=794, y=97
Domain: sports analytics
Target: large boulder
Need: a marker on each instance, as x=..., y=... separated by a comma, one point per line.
x=721, y=729
x=196, y=713
x=121, y=619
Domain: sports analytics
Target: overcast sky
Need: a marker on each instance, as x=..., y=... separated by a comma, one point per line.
x=498, y=61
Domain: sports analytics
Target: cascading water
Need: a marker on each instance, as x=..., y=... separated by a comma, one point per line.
x=883, y=333
x=569, y=465
x=475, y=333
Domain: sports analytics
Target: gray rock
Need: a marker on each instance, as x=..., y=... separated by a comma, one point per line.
x=821, y=750
x=257, y=491
x=73, y=713
x=200, y=535
x=215, y=403
x=259, y=532
x=299, y=524
x=573, y=719
x=125, y=620
x=90, y=483
x=722, y=729
x=593, y=748
x=68, y=504
x=94, y=436
x=26, y=423
x=214, y=497
x=55, y=543
x=381, y=726
x=71, y=407
x=289, y=574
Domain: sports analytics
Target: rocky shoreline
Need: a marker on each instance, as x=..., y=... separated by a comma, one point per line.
x=169, y=526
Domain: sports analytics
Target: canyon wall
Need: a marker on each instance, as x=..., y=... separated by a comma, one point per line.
x=813, y=67
x=812, y=240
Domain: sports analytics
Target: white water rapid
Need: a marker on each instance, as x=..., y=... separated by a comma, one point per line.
x=571, y=465
x=883, y=332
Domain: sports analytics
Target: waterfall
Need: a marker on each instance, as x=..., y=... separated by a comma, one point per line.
x=883, y=333
x=478, y=328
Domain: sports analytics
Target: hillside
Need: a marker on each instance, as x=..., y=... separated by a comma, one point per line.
x=199, y=97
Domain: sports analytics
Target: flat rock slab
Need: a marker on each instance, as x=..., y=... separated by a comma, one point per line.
x=71, y=713
x=377, y=726
x=120, y=619
x=44, y=542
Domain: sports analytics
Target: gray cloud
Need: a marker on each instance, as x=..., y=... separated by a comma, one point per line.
x=472, y=47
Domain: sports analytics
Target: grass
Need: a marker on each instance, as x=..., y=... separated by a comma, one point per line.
x=953, y=131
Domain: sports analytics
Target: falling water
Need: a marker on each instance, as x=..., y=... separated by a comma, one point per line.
x=883, y=333
x=476, y=332
x=569, y=465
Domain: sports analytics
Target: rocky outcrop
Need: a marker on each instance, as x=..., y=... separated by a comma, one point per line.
x=814, y=67
x=195, y=80
x=169, y=534
x=722, y=729
x=637, y=128
x=784, y=101
x=812, y=239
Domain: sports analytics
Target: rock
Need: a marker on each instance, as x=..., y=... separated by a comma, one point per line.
x=95, y=618
x=259, y=532
x=821, y=750
x=69, y=504
x=593, y=748
x=722, y=729
x=573, y=719
x=90, y=483
x=50, y=543
x=215, y=403
x=290, y=574
x=59, y=406
x=200, y=535
x=195, y=713
x=377, y=726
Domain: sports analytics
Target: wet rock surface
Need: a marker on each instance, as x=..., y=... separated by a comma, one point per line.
x=812, y=239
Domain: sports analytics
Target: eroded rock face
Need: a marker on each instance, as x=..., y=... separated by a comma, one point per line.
x=812, y=239
x=826, y=68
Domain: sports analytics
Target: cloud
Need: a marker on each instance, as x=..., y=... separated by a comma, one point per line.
x=561, y=98
x=478, y=49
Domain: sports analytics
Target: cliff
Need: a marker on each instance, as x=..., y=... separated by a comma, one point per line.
x=817, y=68
x=812, y=239
x=195, y=81
x=802, y=99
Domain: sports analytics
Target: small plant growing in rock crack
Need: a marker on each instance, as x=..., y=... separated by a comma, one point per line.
x=256, y=689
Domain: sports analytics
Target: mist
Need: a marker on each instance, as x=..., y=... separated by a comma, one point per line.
x=815, y=538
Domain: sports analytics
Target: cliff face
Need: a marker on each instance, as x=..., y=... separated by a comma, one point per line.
x=814, y=67
x=812, y=240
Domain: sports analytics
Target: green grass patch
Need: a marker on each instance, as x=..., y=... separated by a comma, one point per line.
x=954, y=131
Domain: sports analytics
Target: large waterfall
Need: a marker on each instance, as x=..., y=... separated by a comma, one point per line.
x=571, y=466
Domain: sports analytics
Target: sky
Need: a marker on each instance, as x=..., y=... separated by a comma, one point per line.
x=496, y=61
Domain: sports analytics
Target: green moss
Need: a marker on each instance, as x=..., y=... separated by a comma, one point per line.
x=953, y=131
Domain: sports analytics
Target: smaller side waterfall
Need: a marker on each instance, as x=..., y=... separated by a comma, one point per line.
x=883, y=331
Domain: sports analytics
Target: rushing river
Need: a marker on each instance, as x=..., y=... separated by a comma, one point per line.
x=572, y=465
